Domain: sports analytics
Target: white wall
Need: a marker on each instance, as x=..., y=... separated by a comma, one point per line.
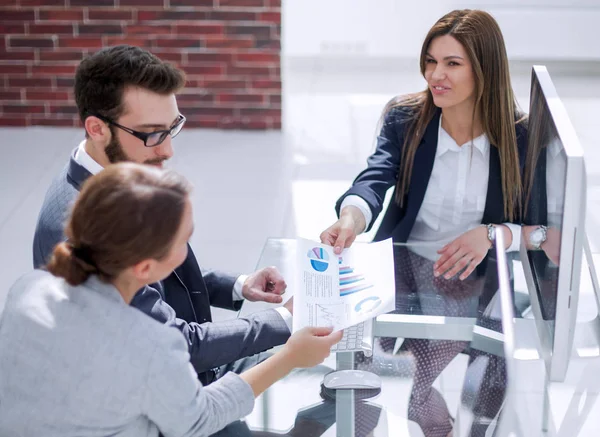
x=533, y=29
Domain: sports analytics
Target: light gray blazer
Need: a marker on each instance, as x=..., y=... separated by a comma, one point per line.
x=78, y=361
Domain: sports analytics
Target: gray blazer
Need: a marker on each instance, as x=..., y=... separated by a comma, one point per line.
x=78, y=361
x=182, y=300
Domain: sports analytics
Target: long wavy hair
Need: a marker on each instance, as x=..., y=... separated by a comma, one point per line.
x=495, y=103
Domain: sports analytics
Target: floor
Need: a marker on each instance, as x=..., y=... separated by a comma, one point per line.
x=254, y=185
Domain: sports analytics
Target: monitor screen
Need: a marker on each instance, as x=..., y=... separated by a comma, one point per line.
x=553, y=218
x=545, y=180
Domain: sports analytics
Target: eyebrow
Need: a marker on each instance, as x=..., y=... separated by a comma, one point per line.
x=156, y=125
x=447, y=57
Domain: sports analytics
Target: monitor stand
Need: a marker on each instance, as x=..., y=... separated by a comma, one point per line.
x=586, y=341
x=587, y=252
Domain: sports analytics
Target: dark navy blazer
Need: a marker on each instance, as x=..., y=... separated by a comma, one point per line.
x=384, y=167
x=182, y=300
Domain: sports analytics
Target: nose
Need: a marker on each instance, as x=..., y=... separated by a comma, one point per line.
x=438, y=73
x=165, y=149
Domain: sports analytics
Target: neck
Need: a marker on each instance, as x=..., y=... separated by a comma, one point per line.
x=459, y=123
x=126, y=287
x=96, y=153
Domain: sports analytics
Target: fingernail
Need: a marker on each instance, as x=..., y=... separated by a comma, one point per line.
x=436, y=274
x=337, y=249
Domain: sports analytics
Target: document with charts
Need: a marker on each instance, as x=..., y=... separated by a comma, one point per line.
x=342, y=290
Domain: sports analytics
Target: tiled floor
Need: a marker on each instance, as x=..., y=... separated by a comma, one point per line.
x=252, y=185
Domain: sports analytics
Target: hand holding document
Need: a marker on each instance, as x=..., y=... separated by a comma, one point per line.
x=342, y=290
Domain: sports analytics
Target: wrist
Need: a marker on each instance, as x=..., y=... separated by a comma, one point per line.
x=283, y=361
x=538, y=236
x=355, y=214
x=490, y=234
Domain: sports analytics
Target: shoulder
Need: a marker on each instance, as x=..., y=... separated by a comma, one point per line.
x=37, y=280
x=30, y=289
x=56, y=206
x=60, y=188
x=60, y=195
x=402, y=109
x=399, y=114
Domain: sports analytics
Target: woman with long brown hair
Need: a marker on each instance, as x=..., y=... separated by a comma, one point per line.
x=77, y=360
x=453, y=154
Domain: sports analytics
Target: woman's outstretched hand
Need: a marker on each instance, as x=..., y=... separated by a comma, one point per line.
x=343, y=232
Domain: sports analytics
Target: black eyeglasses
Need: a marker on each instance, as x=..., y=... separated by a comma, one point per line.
x=150, y=139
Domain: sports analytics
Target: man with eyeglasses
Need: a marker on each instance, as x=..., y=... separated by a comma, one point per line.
x=126, y=100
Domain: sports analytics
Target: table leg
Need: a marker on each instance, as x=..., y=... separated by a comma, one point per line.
x=344, y=404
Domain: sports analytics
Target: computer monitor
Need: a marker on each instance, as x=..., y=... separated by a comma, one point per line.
x=554, y=212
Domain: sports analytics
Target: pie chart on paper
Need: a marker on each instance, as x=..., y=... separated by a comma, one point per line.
x=319, y=260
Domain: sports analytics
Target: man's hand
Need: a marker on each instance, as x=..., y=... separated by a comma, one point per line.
x=265, y=285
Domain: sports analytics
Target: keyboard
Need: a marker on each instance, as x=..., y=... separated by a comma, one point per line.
x=356, y=338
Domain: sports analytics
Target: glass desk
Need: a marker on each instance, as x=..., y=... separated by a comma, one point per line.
x=437, y=322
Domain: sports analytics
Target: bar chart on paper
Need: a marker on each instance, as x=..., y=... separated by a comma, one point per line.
x=351, y=281
x=342, y=290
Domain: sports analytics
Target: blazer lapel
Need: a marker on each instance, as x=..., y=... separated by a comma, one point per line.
x=422, y=167
x=421, y=173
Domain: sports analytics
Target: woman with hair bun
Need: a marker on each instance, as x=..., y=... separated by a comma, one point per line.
x=77, y=360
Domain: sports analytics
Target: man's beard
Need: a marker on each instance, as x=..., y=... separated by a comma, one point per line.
x=115, y=153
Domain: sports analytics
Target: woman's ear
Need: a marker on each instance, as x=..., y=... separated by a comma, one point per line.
x=143, y=270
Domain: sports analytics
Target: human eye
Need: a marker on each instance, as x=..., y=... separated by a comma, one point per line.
x=155, y=137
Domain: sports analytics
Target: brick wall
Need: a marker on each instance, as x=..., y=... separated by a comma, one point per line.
x=229, y=49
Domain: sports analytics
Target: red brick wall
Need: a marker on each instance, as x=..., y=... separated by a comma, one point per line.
x=229, y=49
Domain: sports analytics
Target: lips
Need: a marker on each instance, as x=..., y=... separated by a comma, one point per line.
x=438, y=89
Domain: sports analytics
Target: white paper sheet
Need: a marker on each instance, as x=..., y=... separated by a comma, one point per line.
x=342, y=290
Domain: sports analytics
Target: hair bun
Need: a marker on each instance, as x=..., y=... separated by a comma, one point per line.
x=65, y=264
x=83, y=256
